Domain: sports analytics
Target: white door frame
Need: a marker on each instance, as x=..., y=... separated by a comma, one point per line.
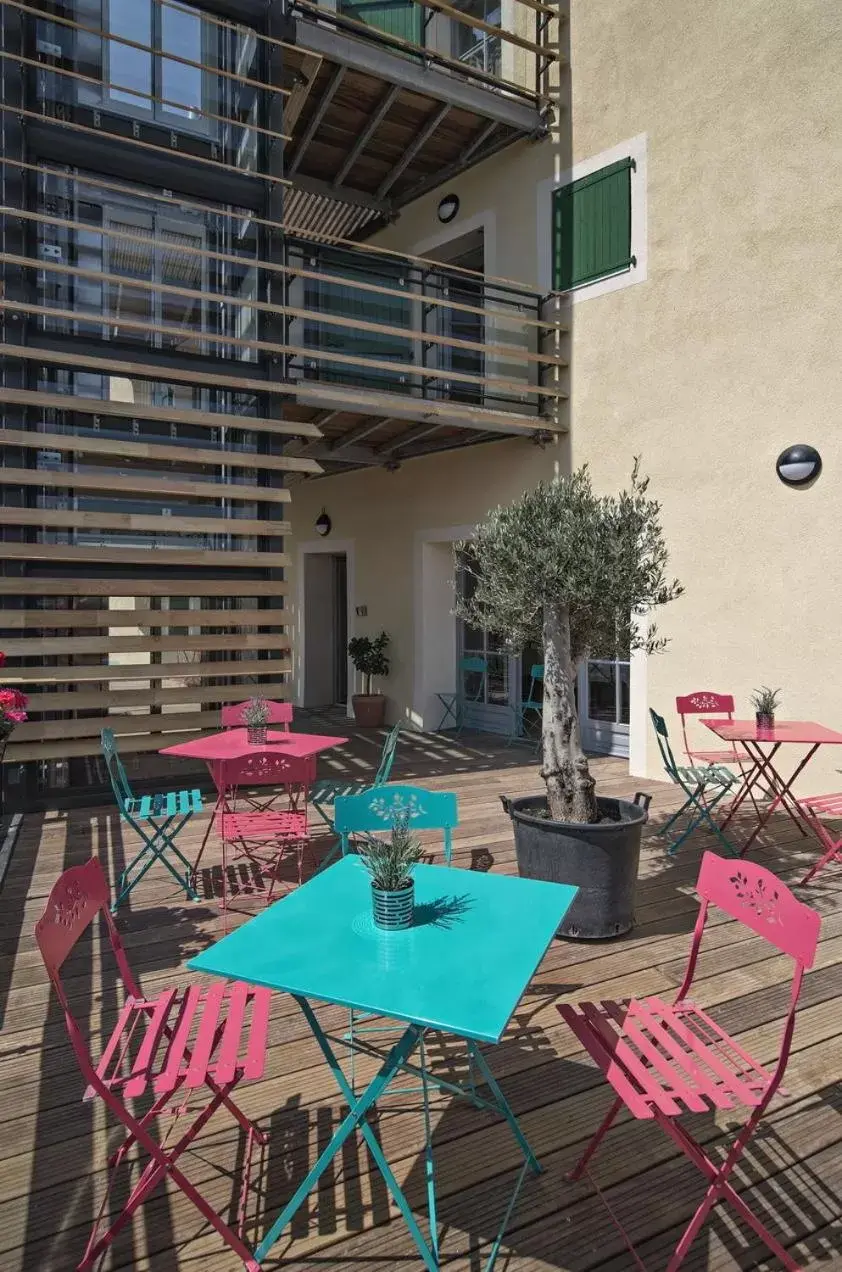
x=434, y=670
x=323, y=547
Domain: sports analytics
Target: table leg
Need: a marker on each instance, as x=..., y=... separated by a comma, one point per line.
x=355, y=1118
x=782, y=790
x=758, y=764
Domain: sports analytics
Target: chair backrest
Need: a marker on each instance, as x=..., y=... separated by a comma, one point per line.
x=664, y=744
x=703, y=702
x=116, y=773
x=279, y=713
x=387, y=757
x=375, y=810
x=756, y=897
x=261, y=768
x=78, y=896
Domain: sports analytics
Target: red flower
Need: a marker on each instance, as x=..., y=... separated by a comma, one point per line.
x=18, y=716
x=2, y=659
x=12, y=698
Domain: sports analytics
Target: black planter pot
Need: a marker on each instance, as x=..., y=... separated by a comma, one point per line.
x=600, y=860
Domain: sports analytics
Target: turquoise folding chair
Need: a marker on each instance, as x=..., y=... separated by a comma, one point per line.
x=157, y=819
x=454, y=703
x=703, y=784
x=533, y=702
x=323, y=794
x=373, y=812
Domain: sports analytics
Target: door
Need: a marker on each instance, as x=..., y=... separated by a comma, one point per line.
x=489, y=699
x=604, y=699
x=467, y=252
x=325, y=630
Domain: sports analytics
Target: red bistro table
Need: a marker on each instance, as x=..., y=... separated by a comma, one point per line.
x=762, y=766
x=302, y=749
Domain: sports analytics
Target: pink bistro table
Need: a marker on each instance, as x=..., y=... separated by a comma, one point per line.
x=762, y=764
x=301, y=749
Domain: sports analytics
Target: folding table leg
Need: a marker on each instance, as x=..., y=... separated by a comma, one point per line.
x=354, y=1119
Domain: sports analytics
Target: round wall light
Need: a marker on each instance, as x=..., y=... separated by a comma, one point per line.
x=799, y=465
x=323, y=524
x=448, y=208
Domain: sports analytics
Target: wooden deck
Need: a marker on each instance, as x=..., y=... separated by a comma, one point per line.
x=53, y=1147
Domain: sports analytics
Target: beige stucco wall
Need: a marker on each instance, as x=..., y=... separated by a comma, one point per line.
x=729, y=351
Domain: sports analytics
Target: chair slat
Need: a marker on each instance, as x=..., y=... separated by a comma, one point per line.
x=113, y=1043
x=229, y=1045
x=255, y=1057
x=156, y=1023
x=144, y=808
x=167, y=1079
x=206, y=1034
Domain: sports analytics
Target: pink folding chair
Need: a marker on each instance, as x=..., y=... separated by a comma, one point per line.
x=813, y=808
x=664, y=1059
x=258, y=839
x=703, y=702
x=279, y=713
x=194, y=1043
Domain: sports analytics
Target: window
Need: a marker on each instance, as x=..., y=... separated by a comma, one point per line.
x=592, y=227
x=473, y=45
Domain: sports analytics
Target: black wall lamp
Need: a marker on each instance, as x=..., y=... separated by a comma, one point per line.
x=448, y=208
x=323, y=524
x=799, y=465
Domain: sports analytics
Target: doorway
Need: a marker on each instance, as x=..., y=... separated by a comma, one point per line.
x=489, y=699
x=467, y=252
x=325, y=681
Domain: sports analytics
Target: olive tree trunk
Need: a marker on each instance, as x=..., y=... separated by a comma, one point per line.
x=570, y=787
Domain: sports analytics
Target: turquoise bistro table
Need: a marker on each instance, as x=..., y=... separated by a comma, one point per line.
x=462, y=968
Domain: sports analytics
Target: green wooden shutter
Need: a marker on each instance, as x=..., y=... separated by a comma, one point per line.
x=395, y=17
x=592, y=226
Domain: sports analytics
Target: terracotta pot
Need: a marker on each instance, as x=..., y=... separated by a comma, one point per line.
x=369, y=709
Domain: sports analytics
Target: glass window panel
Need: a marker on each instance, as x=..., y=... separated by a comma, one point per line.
x=181, y=33
x=602, y=691
x=130, y=67
x=497, y=681
x=624, y=692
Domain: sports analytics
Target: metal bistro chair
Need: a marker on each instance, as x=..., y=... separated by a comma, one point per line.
x=454, y=703
x=374, y=811
x=324, y=793
x=704, y=786
x=260, y=839
x=706, y=703
x=157, y=819
x=666, y=1059
x=191, y=1044
x=533, y=702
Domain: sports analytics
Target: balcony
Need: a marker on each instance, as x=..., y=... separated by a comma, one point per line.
x=364, y=106
x=441, y=88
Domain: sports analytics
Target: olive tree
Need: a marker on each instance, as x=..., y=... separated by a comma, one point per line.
x=576, y=574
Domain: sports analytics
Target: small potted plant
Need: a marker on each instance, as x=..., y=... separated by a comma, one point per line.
x=12, y=711
x=390, y=863
x=368, y=654
x=574, y=573
x=764, y=701
x=255, y=718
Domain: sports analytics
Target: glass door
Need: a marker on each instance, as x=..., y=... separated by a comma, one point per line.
x=489, y=699
x=604, y=696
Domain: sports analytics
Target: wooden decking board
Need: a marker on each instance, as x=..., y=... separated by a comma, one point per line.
x=51, y=1147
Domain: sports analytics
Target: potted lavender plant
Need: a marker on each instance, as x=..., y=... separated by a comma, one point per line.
x=390, y=863
x=255, y=718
